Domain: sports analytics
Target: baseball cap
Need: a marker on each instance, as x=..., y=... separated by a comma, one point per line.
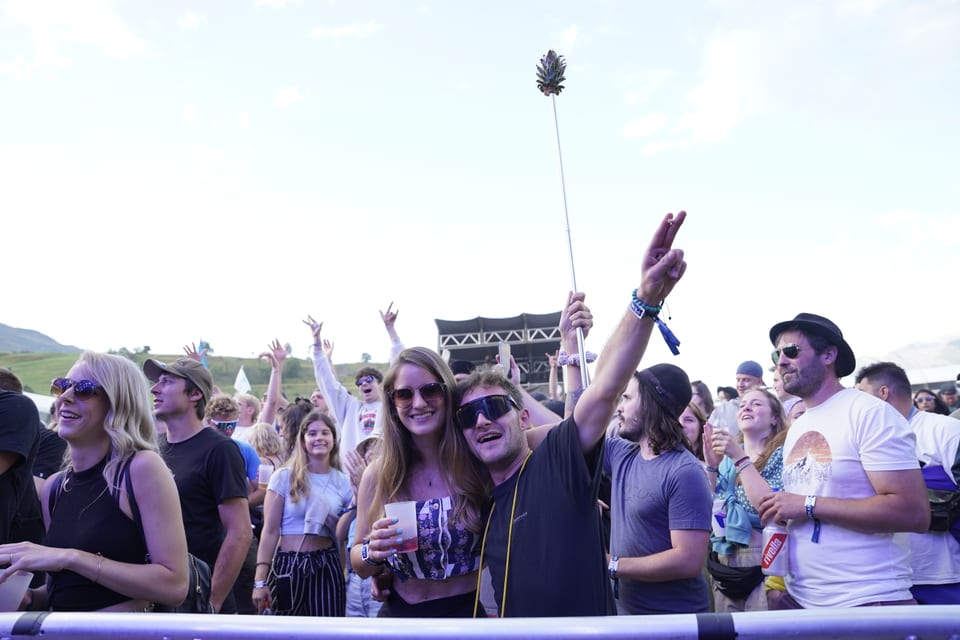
x=182, y=368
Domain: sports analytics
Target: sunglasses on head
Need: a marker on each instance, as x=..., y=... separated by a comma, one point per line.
x=492, y=407
x=430, y=392
x=789, y=350
x=365, y=379
x=82, y=389
x=225, y=425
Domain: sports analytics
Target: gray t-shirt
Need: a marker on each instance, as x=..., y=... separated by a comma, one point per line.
x=649, y=498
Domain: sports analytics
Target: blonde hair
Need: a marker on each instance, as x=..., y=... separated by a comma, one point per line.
x=265, y=439
x=129, y=421
x=467, y=478
x=251, y=400
x=299, y=460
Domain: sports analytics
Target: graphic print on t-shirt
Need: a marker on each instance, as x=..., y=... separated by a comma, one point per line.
x=809, y=464
x=368, y=419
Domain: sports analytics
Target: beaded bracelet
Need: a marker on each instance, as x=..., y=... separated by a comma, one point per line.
x=641, y=308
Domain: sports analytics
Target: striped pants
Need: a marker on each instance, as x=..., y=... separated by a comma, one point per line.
x=316, y=584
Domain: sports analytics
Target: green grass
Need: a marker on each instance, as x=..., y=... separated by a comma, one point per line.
x=36, y=370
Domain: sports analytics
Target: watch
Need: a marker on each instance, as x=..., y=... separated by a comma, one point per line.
x=809, y=504
x=613, y=566
x=365, y=555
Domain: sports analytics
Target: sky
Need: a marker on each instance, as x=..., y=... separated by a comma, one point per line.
x=183, y=170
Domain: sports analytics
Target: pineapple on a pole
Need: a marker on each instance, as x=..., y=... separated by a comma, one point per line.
x=549, y=79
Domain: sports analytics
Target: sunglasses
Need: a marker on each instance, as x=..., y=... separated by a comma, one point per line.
x=365, y=379
x=789, y=350
x=226, y=426
x=82, y=389
x=492, y=407
x=923, y=399
x=430, y=392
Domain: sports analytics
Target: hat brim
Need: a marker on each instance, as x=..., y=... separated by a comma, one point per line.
x=846, y=361
x=153, y=368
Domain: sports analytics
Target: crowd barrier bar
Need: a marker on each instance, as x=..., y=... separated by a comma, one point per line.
x=873, y=623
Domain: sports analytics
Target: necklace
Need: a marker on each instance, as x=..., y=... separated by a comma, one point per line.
x=483, y=544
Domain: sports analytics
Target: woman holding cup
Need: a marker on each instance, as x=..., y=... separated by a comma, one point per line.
x=744, y=469
x=298, y=563
x=421, y=462
x=115, y=539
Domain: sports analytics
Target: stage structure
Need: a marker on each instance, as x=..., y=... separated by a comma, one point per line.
x=530, y=336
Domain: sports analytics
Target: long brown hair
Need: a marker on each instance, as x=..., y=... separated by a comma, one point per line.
x=467, y=478
x=299, y=460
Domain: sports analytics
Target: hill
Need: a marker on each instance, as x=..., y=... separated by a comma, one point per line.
x=14, y=340
x=36, y=370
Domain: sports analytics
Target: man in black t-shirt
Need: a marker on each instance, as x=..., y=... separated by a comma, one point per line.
x=545, y=526
x=20, y=517
x=208, y=470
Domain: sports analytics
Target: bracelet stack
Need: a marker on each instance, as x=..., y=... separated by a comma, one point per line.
x=643, y=310
x=741, y=464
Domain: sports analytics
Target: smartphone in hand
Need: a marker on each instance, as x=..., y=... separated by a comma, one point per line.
x=504, y=352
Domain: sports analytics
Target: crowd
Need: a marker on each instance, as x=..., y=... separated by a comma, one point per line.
x=641, y=493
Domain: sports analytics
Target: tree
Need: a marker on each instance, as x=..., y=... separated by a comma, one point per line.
x=366, y=357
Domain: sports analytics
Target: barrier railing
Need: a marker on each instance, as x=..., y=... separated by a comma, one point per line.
x=873, y=623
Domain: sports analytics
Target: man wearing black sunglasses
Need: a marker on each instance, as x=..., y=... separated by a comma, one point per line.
x=544, y=524
x=851, y=479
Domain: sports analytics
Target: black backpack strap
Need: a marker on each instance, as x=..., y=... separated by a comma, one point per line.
x=55, y=492
x=123, y=475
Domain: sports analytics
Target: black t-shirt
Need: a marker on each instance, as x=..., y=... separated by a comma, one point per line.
x=20, y=517
x=50, y=454
x=557, y=558
x=208, y=470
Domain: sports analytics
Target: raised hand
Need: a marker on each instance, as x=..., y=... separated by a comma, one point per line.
x=315, y=328
x=328, y=349
x=193, y=354
x=552, y=359
x=575, y=315
x=389, y=317
x=662, y=266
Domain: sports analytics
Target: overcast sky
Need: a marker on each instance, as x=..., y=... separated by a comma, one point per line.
x=177, y=170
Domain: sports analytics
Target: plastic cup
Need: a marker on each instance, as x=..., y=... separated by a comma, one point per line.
x=263, y=475
x=406, y=515
x=12, y=590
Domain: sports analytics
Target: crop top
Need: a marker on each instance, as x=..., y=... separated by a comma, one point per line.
x=316, y=513
x=445, y=549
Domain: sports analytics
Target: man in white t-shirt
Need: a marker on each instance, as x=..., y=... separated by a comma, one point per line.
x=851, y=480
x=934, y=555
x=249, y=410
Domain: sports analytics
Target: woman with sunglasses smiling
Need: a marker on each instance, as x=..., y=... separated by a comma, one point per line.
x=423, y=460
x=99, y=557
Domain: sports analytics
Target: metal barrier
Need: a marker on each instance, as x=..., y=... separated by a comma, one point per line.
x=873, y=623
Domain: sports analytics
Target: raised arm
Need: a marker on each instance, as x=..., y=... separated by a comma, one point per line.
x=389, y=318
x=661, y=269
x=338, y=398
x=277, y=355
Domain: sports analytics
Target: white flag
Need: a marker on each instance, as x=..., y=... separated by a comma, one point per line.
x=242, y=385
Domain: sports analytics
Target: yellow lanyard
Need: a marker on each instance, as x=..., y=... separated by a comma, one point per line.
x=483, y=545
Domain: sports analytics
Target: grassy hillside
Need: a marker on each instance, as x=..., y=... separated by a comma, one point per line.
x=36, y=370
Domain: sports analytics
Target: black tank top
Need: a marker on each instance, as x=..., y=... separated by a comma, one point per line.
x=85, y=515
